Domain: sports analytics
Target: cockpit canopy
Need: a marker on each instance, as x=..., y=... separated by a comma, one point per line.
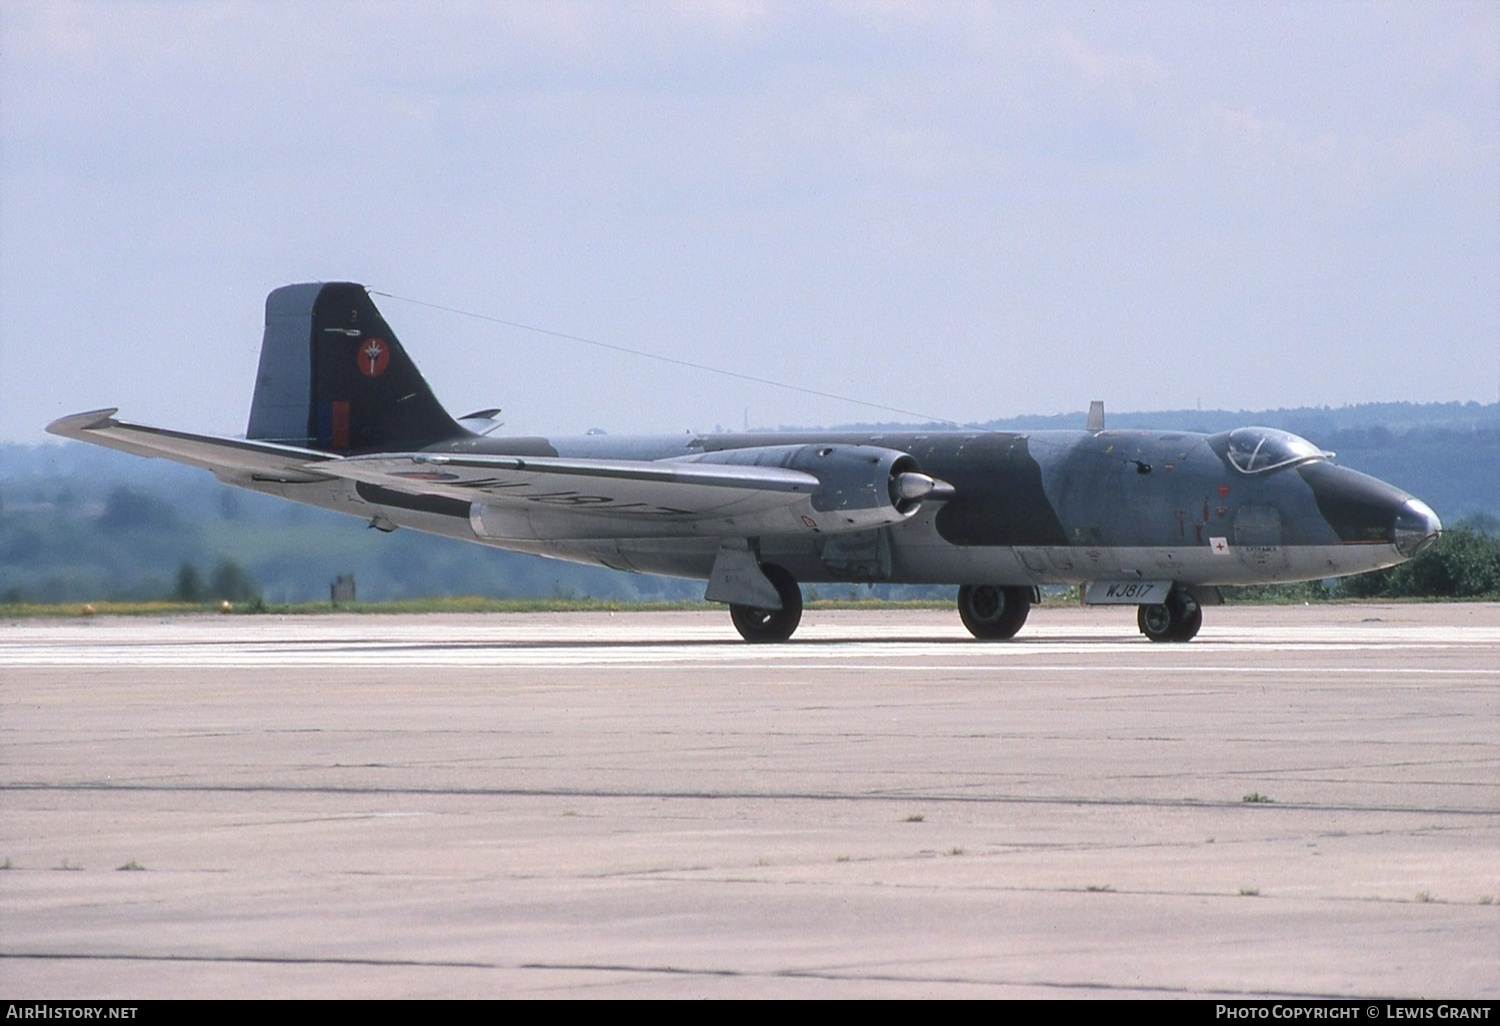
x=1256, y=450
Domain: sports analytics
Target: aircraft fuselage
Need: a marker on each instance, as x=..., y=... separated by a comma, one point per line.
x=1047, y=507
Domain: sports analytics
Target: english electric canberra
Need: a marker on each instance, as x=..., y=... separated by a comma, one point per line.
x=342, y=419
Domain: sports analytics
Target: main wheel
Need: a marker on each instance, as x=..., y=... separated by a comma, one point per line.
x=991, y=612
x=757, y=625
x=1177, y=619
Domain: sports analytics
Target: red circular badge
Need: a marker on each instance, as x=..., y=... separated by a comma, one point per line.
x=374, y=354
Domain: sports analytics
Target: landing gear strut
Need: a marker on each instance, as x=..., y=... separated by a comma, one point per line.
x=758, y=625
x=992, y=612
x=1177, y=619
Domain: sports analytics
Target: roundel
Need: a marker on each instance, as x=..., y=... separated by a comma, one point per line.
x=374, y=354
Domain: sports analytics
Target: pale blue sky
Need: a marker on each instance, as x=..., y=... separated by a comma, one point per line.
x=973, y=210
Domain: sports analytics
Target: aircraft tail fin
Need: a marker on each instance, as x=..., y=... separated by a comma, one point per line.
x=333, y=377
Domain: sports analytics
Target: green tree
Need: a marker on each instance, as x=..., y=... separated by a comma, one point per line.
x=130, y=507
x=232, y=583
x=1464, y=563
x=189, y=584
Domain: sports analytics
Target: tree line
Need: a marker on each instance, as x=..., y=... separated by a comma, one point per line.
x=1463, y=564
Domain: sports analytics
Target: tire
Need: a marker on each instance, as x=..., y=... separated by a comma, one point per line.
x=1190, y=619
x=1155, y=621
x=1178, y=619
x=766, y=625
x=992, y=612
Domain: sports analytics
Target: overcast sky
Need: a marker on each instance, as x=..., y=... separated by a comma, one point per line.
x=972, y=210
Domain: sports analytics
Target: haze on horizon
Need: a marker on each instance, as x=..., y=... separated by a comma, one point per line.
x=972, y=210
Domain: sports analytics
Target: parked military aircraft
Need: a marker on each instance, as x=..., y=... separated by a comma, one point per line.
x=342, y=419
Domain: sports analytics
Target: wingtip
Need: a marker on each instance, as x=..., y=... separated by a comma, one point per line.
x=70, y=426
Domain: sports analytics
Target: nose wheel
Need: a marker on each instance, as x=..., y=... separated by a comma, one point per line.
x=761, y=625
x=1176, y=619
x=992, y=612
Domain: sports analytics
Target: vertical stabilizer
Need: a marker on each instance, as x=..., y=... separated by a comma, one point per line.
x=333, y=377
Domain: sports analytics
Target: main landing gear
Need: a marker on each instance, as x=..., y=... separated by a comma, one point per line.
x=1177, y=619
x=992, y=612
x=757, y=625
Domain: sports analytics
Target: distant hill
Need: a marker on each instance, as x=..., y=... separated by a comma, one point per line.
x=80, y=523
x=1308, y=421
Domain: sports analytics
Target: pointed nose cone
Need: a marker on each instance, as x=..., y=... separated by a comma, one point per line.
x=1415, y=528
x=1365, y=511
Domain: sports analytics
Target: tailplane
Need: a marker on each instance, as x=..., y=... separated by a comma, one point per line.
x=333, y=377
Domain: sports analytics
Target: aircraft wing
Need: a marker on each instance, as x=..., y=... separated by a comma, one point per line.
x=550, y=497
x=666, y=489
x=226, y=457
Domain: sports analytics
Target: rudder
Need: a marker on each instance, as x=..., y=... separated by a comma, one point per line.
x=333, y=377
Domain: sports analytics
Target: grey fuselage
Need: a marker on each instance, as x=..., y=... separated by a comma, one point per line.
x=1046, y=507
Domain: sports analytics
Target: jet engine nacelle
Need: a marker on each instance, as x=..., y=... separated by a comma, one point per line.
x=859, y=486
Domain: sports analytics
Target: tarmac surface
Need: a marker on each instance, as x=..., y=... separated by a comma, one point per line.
x=1303, y=802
